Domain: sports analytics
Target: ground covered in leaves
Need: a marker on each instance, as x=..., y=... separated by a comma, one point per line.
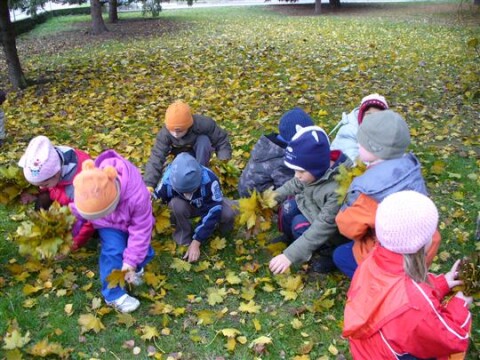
x=244, y=67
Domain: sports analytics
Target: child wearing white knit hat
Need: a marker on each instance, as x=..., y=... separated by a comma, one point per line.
x=395, y=308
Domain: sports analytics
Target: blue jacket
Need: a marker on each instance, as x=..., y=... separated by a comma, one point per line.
x=207, y=199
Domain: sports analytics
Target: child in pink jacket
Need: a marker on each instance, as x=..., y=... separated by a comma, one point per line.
x=111, y=194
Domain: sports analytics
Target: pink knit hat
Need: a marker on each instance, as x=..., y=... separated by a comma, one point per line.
x=40, y=161
x=372, y=100
x=405, y=222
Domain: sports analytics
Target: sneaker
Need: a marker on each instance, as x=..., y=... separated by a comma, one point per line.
x=125, y=303
x=322, y=264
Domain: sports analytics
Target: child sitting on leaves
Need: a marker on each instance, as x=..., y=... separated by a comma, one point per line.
x=265, y=168
x=53, y=169
x=395, y=308
x=197, y=135
x=383, y=138
x=192, y=190
x=111, y=194
x=346, y=139
x=308, y=219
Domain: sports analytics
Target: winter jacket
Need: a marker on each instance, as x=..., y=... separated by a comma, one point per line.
x=346, y=139
x=266, y=167
x=207, y=198
x=319, y=203
x=388, y=314
x=133, y=213
x=356, y=219
x=166, y=143
x=72, y=160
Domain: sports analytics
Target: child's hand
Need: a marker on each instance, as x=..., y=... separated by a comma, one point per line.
x=193, y=251
x=279, y=264
x=467, y=299
x=452, y=275
x=130, y=274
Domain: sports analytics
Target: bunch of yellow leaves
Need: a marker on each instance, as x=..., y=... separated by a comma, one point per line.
x=47, y=233
x=256, y=211
x=228, y=173
x=161, y=212
x=13, y=184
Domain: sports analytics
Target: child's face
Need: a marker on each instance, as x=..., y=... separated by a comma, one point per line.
x=178, y=133
x=371, y=110
x=51, y=182
x=304, y=176
x=365, y=155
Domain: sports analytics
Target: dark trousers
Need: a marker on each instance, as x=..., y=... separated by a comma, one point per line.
x=182, y=212
x=344, y=259
x=291, y=220
x=202, y=150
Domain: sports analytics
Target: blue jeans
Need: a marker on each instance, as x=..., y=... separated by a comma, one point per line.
x=114, y=242
x=344, y=259
x=292, y=222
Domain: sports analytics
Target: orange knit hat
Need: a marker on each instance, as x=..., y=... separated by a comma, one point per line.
x=96, y=191
x=178, y=116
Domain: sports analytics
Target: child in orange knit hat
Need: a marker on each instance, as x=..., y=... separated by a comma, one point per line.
x=183, y=132
x=111, y=194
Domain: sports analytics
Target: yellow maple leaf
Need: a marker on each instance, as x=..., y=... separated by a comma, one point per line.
x=249, y=307
x=262, y=340
x=248, y=293
x=257, y=324
x=230, y=345
x=116, y=278
x=230, y=332
x=180, y=265
x=206, y=317
x=218, y=243
x=232, y=278
x=201, y=266
x=30, y=289
x=90, y=322
x=126, y=319
x=45, y=349
x=149, y=332
x=14, y=339
x=215, y=295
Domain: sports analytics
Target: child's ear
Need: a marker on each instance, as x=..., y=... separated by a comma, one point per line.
x=88, y=164
x=111, y=172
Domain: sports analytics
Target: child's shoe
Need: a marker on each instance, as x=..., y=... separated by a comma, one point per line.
x=125, y=303
x=322, y=264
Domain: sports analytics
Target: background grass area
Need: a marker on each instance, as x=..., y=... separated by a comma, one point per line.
x=244, y=67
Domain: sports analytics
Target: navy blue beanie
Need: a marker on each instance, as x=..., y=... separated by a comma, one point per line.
x=289, y=121
x=185, y=173
x=309, y=150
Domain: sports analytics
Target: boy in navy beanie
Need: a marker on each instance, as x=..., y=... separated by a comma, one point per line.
x=265, y=168
x=309, y=201
x=192, y=190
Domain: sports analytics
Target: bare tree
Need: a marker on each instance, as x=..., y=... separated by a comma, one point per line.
x=112, y=11
x=318, y=6
x=15, y=72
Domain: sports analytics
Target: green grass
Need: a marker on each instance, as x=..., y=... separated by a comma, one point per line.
x=244, y=67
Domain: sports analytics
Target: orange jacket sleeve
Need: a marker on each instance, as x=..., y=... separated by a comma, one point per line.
x=358, y=220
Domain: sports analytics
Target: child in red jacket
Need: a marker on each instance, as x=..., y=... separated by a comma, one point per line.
x=395, y=308
x=53, y=168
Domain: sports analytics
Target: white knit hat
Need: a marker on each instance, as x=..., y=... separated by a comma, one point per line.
x=405, y=222
x=40, y=161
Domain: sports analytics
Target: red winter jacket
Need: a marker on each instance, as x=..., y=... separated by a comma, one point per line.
x=387, y=314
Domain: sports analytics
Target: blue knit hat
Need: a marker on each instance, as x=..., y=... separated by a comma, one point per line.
x=289, y=121
x=309, y=150
x=185, y=173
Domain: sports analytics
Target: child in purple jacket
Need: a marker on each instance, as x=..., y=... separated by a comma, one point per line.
x=111, y=194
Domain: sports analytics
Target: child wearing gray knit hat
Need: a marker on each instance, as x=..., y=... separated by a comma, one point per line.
x=383, y=139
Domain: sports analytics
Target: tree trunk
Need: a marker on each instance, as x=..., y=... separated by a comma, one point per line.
x=7, y=35
x=97, y=19
x=318, y=6
x=334, y=3
x=112, y=11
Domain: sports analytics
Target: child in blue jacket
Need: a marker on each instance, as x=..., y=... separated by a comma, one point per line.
x=192, y=190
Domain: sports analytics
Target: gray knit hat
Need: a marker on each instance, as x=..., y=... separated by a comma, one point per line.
x=384, y=134
x=185, y=173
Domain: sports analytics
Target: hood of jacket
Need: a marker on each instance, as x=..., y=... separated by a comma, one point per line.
x=267, y=149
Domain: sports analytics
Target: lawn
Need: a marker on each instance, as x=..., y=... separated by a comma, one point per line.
x=244, y=67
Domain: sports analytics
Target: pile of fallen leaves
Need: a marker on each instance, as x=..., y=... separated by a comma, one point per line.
x=469, y=273
x=13, y=184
